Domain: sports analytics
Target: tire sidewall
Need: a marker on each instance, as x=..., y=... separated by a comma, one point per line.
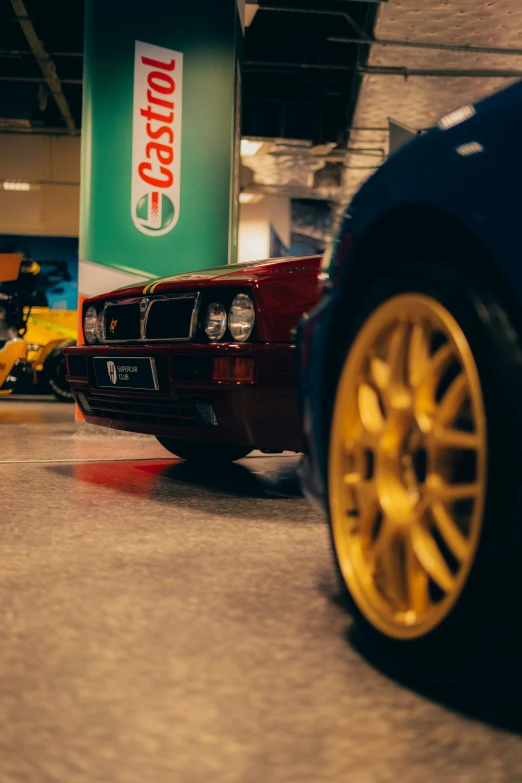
x=53, y=371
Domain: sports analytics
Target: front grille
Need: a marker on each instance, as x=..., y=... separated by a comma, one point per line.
x=122, y=322
x=178, y=413
x=167, y=317
x=170, y=319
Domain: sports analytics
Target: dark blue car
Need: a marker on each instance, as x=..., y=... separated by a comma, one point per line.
x=411, y=372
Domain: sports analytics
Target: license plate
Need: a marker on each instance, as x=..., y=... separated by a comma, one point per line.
x=126, y=373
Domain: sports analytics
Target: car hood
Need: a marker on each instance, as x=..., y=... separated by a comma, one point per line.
x=236, y=274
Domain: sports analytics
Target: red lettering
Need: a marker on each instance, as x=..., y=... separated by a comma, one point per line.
x=158, y=133
x=166, y=83
x=154, y=181
x=158, y=64
x=159, y=101
x=165, y=154
x=150, y=115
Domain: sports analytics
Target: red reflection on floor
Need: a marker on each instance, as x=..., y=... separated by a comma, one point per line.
x=136, y=477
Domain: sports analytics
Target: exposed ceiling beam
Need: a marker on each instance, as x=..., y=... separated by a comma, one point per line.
x=47, y=66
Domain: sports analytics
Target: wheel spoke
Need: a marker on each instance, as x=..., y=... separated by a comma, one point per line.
x=440, y=490
x=437, y=366
x=450, y=531
x=393, y=571
x=369, y=409
x=456, y=439
x=432, y=560
x=380, y=373
x=419, y=352
x=397, y=353
x=416, y=581
x=369, y=506
x=366, y=499
x=453, y=400
x=389, y=565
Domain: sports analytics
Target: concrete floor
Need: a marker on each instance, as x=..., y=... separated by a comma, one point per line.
x=160, y=627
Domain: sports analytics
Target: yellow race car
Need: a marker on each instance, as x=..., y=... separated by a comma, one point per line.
x=32, y=339
x=48, y=333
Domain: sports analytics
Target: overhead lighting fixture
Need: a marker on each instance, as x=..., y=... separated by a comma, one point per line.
x=14, y=184
x=249, y=147
x=457, y=116
x=245, y=198
x=471, y=148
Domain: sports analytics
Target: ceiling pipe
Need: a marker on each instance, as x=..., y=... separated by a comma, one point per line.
x=47, y=66
x=323, y=11
x=29, y=53
x=38, y=80
x=39, y=131
x=367, y=69
x=427, y=45
x=473, y=73
x=251, y=64
x=334, y=155
x=385, y=70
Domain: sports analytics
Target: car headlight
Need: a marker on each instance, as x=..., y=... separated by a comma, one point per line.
x=89, y=324
x=241, y=317
x=99, y=326
x=215, y=321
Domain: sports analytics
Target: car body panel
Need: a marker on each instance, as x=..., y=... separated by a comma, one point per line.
x=456, y=170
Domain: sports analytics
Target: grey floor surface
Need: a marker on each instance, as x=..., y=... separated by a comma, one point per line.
x=162, y=627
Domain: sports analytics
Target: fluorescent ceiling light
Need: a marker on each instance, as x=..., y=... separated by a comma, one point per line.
x=249, y=147
x=245, y=198
x=13, y=184
x=457, y=116
x=471, y=148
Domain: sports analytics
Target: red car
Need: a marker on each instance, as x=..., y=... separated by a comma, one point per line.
x=204, y=361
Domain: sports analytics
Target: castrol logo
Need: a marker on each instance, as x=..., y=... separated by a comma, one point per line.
x=156, y=139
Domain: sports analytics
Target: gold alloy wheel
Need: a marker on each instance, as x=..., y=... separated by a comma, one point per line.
x=407, y=466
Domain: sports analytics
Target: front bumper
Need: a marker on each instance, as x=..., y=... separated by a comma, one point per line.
x=261, y=414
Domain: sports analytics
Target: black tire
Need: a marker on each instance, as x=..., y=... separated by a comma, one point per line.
x=204, y=453
x=55, y=371
x=488, y=609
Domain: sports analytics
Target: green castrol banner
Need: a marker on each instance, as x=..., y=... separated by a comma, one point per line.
x=160, y=139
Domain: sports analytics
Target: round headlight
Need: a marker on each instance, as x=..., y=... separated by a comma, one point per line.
x=89, y=325
x=241, y=317
x=99, y=327
x=215, y=321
